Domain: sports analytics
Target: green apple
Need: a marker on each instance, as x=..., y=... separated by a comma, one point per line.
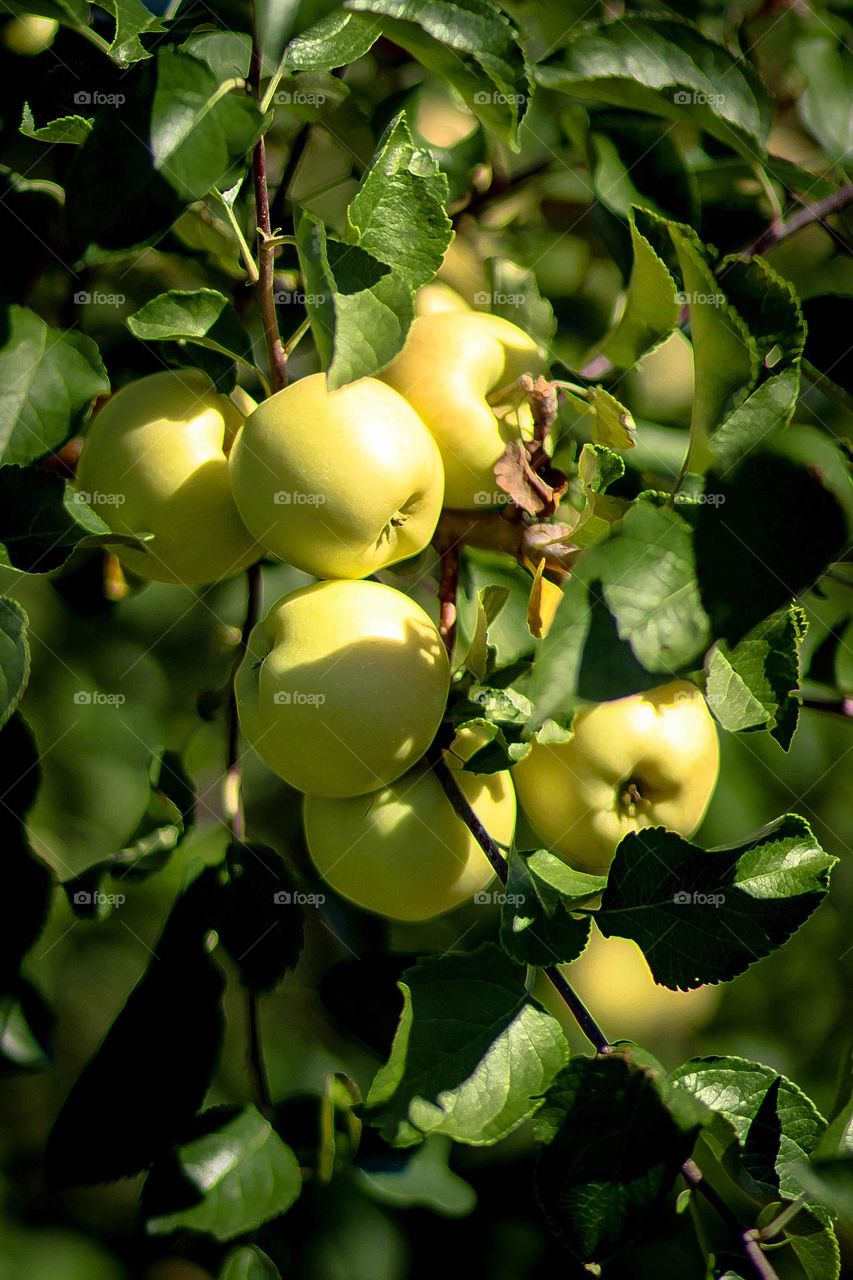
x=343, y=687
x=451, y=366
x=338, y=483
x=155, y=461
x=438, y=296
x=644, y=761
x=402, y=851
x=661, y=386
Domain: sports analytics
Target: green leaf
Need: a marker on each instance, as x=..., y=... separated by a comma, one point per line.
x=201, y=316
x=473, y=1054
x=615, y=1140
x=154, y=1067
x=651, y=308
x=514, y=294
x=73, y=129
x=753, y=686
x=359, y=291
x=769, y=1125
x=537, y=925
x=815, y=1245
x=28, y=880
x=26, y=1026
x=14, y=657
x=237, y=1170
x=631, y=613
x=50, y=379
x=667, y=68
x=613, y=424
x=175, y=137
x=826, y=103
x=480, y=656
x=227, y=53
x=169, y=818
x=423, y=1180
x=472, y=44
x=334, y=41
x=43, y=520
x=752, y=557
x=705, y=916
x=248, y=1262
x=132, y=20
x=261, y=927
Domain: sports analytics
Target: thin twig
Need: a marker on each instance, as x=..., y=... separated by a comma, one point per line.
x=779, y=231
x=749, y=1237
x=257, y=1068
x=491, y=849
x=266, y=250
x=835, y=706
x=447, y=587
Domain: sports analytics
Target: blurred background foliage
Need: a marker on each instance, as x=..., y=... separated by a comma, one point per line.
x=117, y=669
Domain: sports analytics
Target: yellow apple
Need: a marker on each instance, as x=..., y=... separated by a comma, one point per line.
x=402, y=851
x=343, y=687
x=29, y=34
x=155, y=461
x=644, y=761
x=451, y=366
x=614, y=979
x=338, y=483
x=438, y=296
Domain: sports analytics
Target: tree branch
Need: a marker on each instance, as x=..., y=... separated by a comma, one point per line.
x=779, y=231
x=266, y=250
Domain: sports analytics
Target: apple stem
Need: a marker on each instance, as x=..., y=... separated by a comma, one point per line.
x=266, y=247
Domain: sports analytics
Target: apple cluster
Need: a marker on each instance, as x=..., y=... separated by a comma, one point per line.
x=344, y=683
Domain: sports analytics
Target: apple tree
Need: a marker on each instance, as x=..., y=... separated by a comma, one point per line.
x=425, y=513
